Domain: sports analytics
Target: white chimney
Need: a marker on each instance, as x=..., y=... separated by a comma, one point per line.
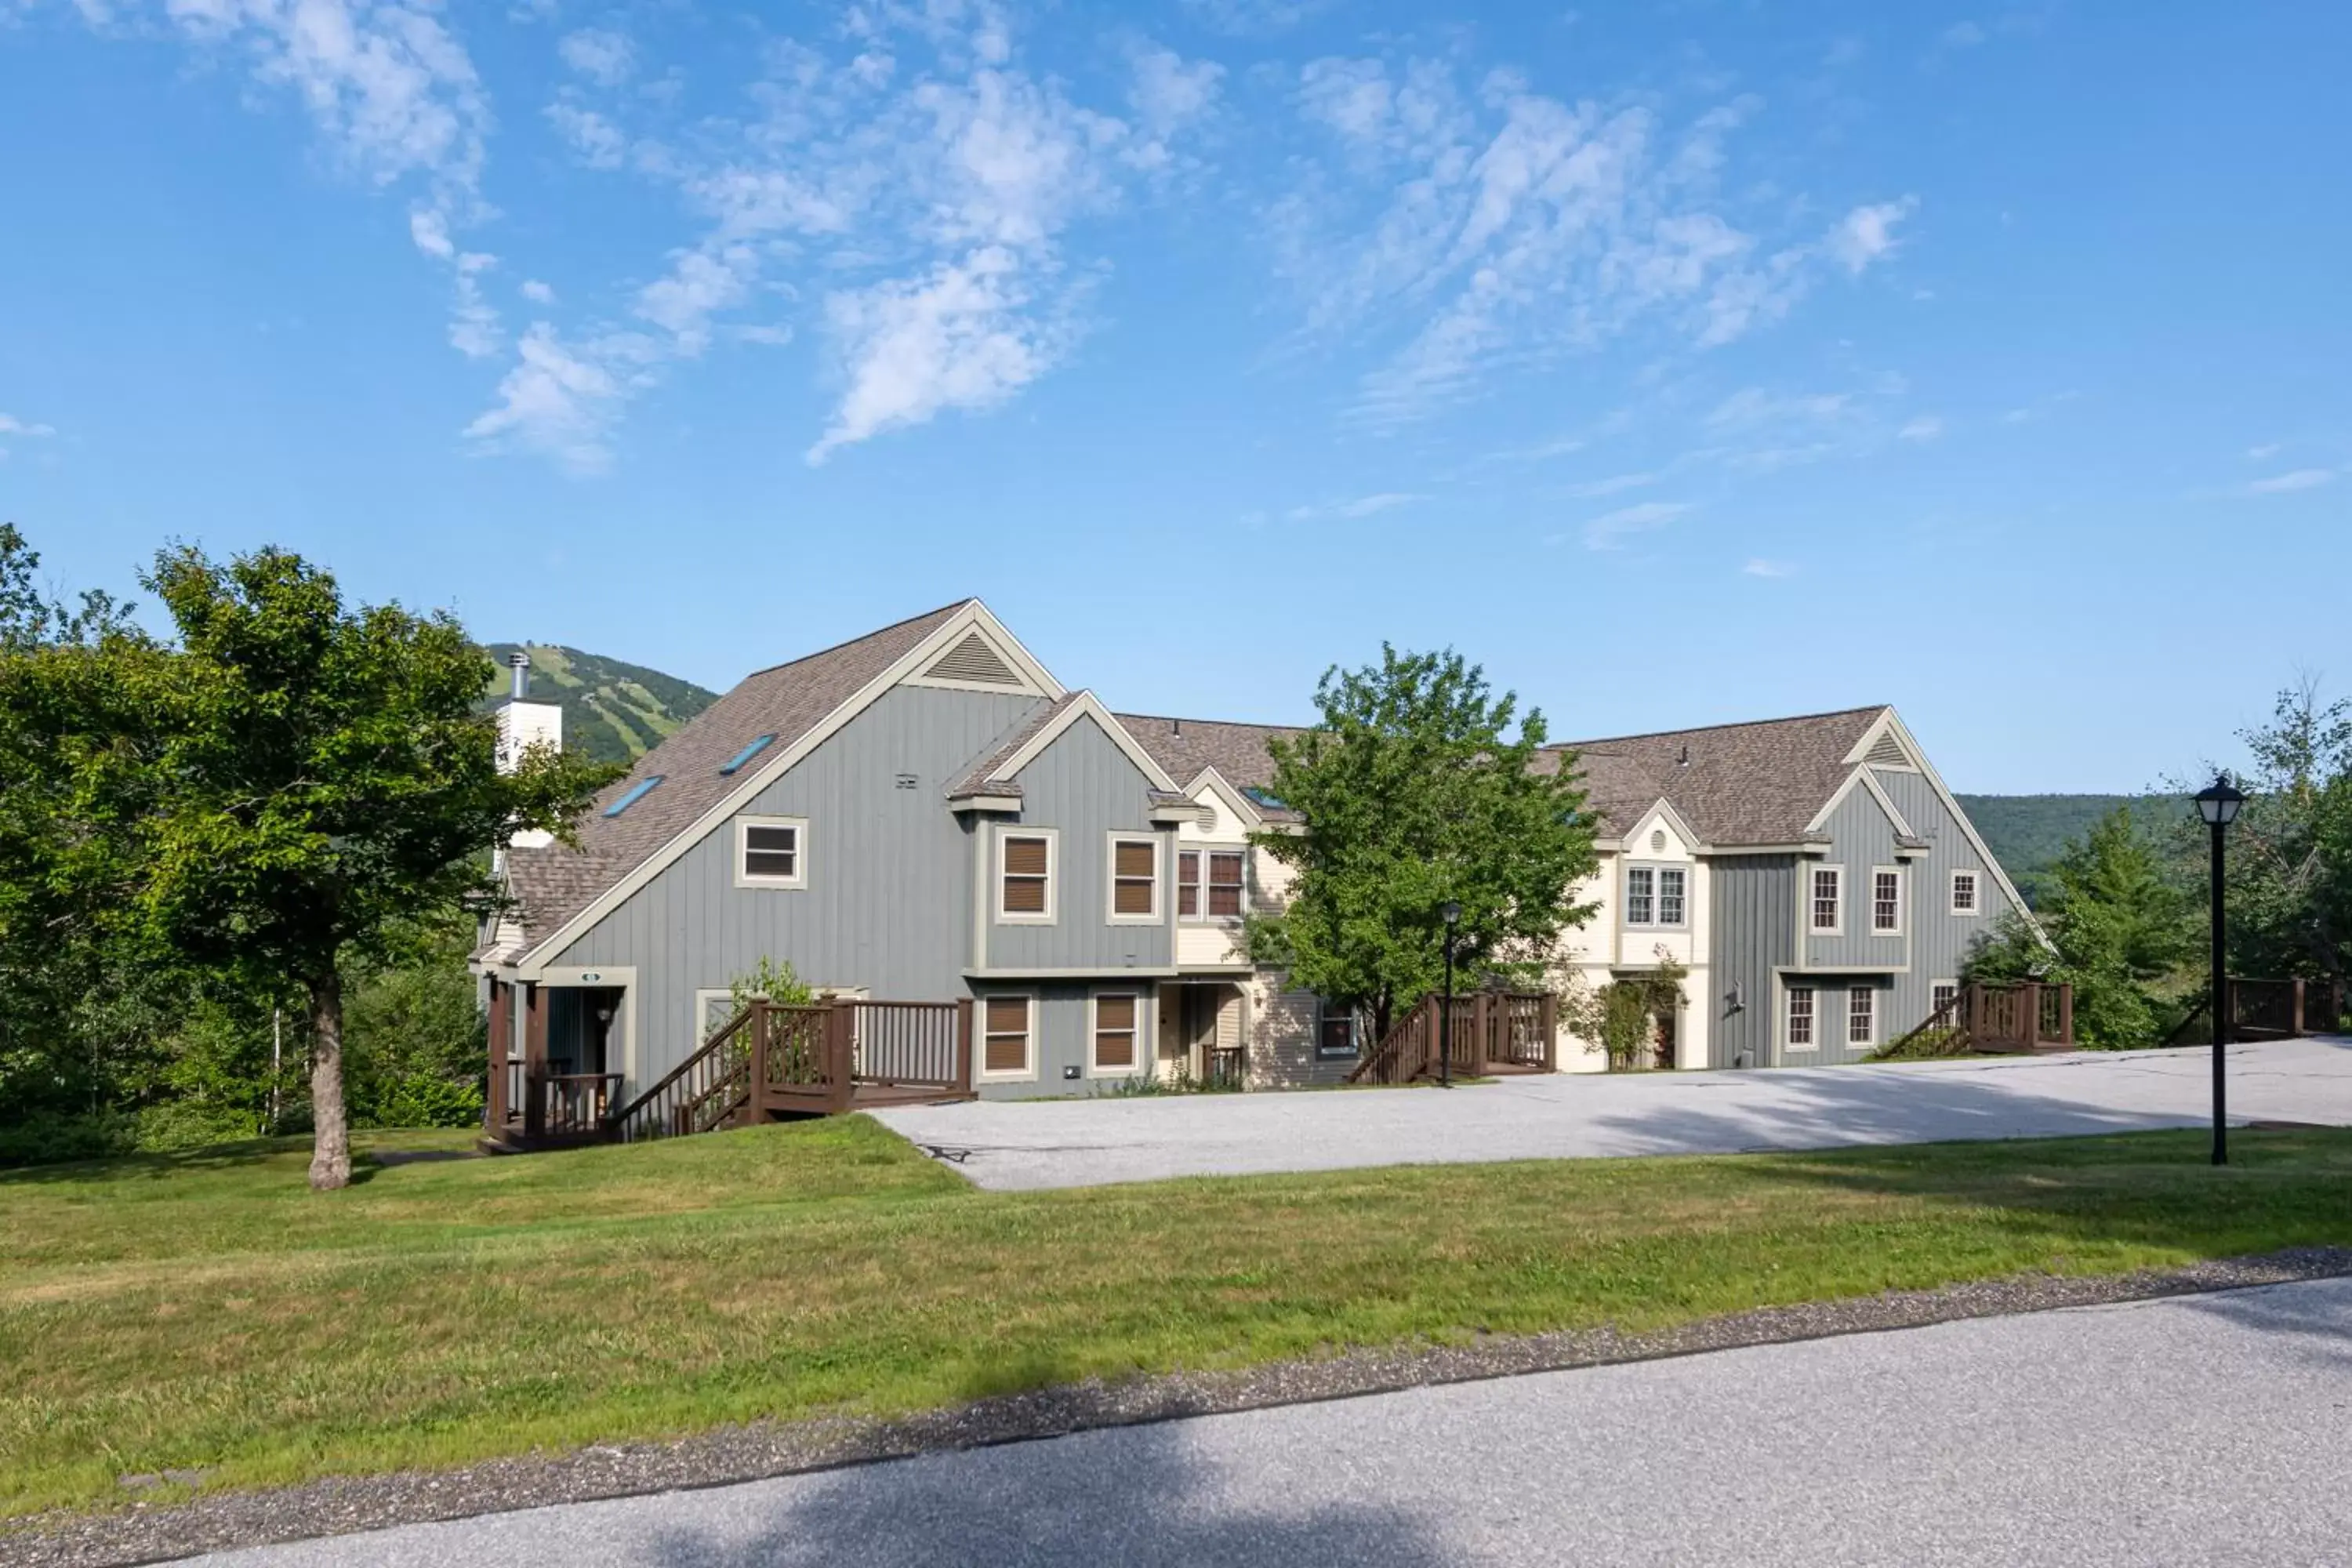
x=523, y=724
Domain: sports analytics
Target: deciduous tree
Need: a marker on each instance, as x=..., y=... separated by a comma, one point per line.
x=1418, y=787
x=293, y=782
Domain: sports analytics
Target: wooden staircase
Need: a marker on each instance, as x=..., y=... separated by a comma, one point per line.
x=772, y=1063
x=2029, y=1015
x=1494, y=1032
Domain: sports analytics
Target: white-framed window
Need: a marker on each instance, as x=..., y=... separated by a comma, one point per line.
x=1674, y=895
x=1134, y=880
x=1825, y=899
x=771, y=852
x=1008, y=1037
x=1641, y=895
x=1335, y=1031
x=1212, y=884
x=1801, y=1019
x=1116, y=1030
x=1886, y=901
x=1941, y=994
x=1862, y=1016
x=1024, y=875
x=1965, y=900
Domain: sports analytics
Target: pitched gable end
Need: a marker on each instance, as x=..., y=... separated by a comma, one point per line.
x=983, y=660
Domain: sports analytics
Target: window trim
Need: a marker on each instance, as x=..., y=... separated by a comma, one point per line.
x=1111, y=841
x=1028, y=1072
x=1324, y=1014
x=744, y=877
x=703, y=997
x=1658, y=870
x=1976, y=892
x=1936, y=986
x=1136, y=1057
x=1051, y=915
x=1870, y=1041
x=1812, y=900
x=1204, y=850
x=1902, y=897
x=1789, y=1041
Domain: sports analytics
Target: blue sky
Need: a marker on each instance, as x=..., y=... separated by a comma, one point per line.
x=1681, y=363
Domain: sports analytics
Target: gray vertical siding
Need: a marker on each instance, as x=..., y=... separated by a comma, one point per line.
x=1084, y=787
x=1753, y=933
x=888, y=902
x=1862, y=838
x=1062, y=1042
x=1941, y=949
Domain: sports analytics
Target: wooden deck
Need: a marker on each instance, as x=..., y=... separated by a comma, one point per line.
x=1493, y=1034
x=768, y=1063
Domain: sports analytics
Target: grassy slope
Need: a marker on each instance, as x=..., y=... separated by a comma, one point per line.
x=613, y=710
x=206, y=1311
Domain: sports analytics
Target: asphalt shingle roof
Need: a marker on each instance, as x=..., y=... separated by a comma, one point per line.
x=787, y=701
x=1735, y=784
x=1185, y=746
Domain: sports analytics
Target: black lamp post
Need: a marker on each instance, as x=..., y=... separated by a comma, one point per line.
x=2217, y=804
x=1452, y=911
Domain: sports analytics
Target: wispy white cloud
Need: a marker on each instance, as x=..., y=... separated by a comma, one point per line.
x=1493, y=227
x=537, y=293
x=1866, y=234
x=1758, y=566
x=2287, y=483
x=1360, y=507
x=604, y=56
x=12, y=425
x=1613, y=485
x=2268, y=449
x=1752, y=405
x=1609, y=530
x=1961, y=36
x=560, y=400
x=1924, y=427
x=910, y=185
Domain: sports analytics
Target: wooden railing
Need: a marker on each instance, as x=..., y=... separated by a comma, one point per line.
x=706, y=1091
x=2282, y=1009
x=819, y=1058
x=1508, y=1029
x=574, y=1103
x=2030, y=1014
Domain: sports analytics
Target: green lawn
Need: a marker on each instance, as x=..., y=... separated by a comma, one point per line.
x=207, y=1311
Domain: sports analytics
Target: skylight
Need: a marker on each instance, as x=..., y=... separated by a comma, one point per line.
x=637, y=792
x=746, y=754
x=1264, y=797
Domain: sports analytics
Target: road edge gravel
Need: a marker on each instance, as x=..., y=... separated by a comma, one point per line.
x=143, y=1532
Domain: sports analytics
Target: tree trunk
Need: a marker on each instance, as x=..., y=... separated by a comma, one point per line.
x=331, y=1156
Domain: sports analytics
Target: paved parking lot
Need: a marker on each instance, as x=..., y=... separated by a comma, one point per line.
x=1088, y=1143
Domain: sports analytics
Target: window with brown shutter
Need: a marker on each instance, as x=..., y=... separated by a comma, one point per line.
x=1028, y=871
x=1188, y=884
x=1134, y=878
x=1115, y=1031
x=1224, y=882
x=1005, y=1048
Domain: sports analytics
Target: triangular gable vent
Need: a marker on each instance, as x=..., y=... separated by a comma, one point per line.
x=1887, y=752
x=974, y=662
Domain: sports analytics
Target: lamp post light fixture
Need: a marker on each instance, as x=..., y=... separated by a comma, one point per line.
x=2218, y=804
x=1452, y=912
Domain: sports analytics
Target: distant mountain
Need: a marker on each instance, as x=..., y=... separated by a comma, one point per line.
x=2027, y=833
x=615, y=712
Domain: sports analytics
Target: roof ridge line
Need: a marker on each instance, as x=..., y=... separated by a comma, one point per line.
x=1728, y=724
x=862, y=636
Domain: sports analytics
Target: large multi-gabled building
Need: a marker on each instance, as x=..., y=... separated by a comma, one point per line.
x=926, y=814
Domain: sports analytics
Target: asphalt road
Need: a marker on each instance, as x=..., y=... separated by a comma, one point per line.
x=1085, y=1142
x=2208, y=1429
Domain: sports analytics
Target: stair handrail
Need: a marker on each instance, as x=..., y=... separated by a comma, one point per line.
x=618, y=1126
x=1940, y=1018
